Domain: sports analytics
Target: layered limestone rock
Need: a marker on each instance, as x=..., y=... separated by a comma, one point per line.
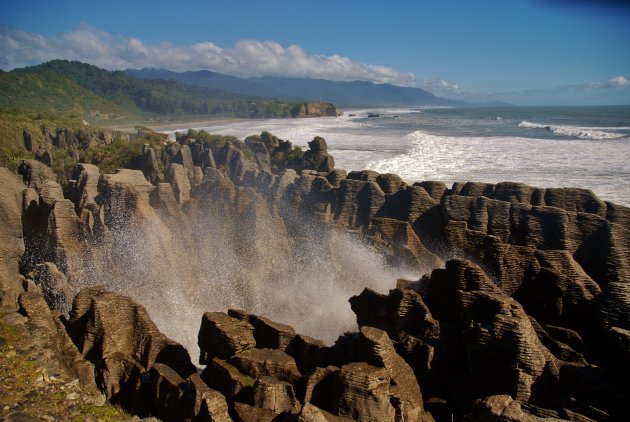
x=135, y=364
x=317, y=157
x=534, y=325
x=467, y=339
x=11, y=236
x=223, y=336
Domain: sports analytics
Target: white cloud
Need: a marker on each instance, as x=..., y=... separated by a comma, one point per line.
x=439, y=87
x=20, y=48
x=619, y=81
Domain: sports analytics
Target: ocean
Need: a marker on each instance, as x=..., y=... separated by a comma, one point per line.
x=584, y=147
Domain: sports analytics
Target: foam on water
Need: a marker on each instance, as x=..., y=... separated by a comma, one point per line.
x=455, y=146
x=578, y=132
x=601, y=166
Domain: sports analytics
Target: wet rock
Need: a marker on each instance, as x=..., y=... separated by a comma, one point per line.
x=360, y=391
x=435, y=189
x=575, y=200
x=118, y=337
x=222, y=336
x=402, y=245
x=268, y=334
x=54, y=284
x=357, y=202
x=308, y=352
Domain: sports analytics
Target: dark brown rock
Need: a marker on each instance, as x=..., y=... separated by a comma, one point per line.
x=223, y=377
x=223, y=336
x=148, y=164
x=259, y=362
x=317, y=157
x=122, y=342
x=336, y=176
x=246, y=413
x=34, y=173
x=358, y=202
x=435, y=189
x=49, y=334
x=268, y=334
x=274, y=395
x=307, y=352
x=402, y=245
x=364, y=175
x=390, y=183
x=54, y=284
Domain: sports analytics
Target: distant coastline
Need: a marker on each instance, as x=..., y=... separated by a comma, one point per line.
x=177, y=124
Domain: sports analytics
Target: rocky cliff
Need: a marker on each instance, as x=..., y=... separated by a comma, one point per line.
x=522, y=312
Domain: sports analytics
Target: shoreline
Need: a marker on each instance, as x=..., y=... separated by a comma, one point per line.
x=163, y=126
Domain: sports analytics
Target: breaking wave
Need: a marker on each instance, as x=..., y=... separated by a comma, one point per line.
x=534, y=161
x=575, y=131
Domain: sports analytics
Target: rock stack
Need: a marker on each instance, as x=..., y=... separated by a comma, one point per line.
x=523, y=313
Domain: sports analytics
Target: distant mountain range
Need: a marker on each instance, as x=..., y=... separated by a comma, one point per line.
x=61, y=85
x=355, y=93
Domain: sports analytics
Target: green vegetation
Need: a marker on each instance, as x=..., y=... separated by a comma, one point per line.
x=23, y=389
x=109, y=155
x=87, y=90
x=248, y=381
x=210, y=140
x=51, y=91
x=120, y=152
x=13, y=122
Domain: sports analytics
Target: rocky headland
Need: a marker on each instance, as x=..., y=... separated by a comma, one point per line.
x=522, y=314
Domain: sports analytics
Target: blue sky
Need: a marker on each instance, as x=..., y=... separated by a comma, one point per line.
x=521, y=51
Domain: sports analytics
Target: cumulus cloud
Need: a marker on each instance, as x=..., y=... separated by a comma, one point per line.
x=439, y=87
x=20, y=48
x=616, y=82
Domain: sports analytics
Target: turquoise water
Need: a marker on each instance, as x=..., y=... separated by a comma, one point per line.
x=587, y=147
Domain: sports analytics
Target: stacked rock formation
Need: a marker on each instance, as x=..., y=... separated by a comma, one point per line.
x=523, y=314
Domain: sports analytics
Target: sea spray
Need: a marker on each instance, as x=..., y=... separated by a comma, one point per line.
x=213, y=259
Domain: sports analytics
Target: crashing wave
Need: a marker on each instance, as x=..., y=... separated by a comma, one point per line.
x=578, y=132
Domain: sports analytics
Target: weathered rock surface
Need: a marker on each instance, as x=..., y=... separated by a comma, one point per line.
x=268, y=334
x=122, y=342
x=271, y=362
x=528, y=322
x=11, y=236
x=317, y=157
x=222, y=336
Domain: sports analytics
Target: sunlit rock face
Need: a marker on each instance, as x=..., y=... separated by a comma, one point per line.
x=519, y=300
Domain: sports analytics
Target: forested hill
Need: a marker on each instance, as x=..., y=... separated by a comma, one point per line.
x=67, y=85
